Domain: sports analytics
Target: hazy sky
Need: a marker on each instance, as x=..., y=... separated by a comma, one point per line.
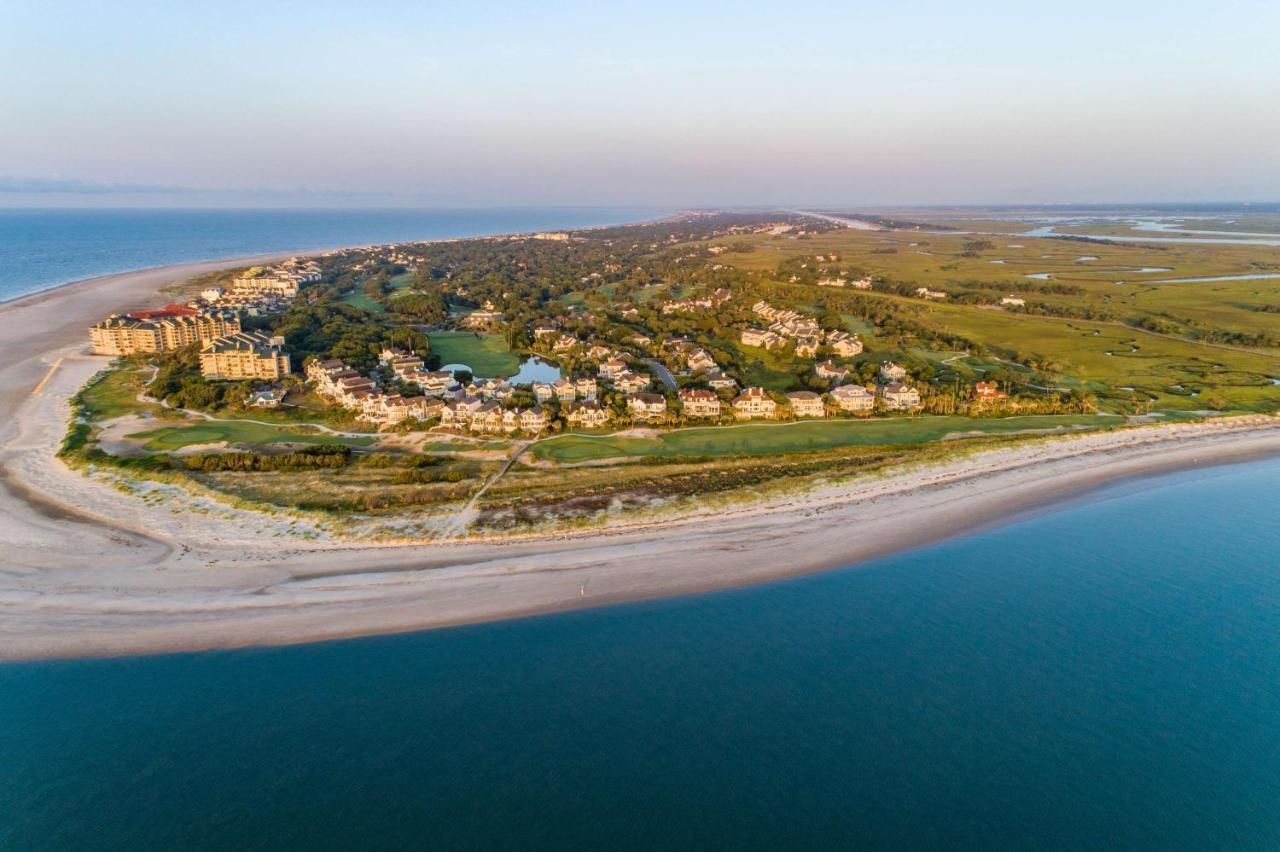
x=663, y=103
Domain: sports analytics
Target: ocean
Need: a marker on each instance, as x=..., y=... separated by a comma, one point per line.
x=1102, y=676
x=44, y=248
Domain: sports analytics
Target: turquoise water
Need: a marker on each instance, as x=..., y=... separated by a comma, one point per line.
x=44, y=248
x=1107, y=676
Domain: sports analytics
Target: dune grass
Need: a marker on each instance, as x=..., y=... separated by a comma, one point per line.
x=759, y=439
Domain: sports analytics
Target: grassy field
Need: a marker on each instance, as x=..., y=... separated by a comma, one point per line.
x=358, y=299
x=486, y=354
x=115, y=394
x=805, y=436
x=171, y=438
x=1125, y=365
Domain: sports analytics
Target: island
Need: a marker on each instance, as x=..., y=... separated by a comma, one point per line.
x=391, y=437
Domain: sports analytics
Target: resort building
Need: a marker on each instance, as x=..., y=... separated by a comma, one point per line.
x=854, y=398
x=761, y=338
x=844, y=344
x=647, y=406
x=171, y=327
x=700, y=403
x=900, y=397
x=753, y=403
x=244, y=355
x=480, y=320
x=806, y=404
x=988, y=390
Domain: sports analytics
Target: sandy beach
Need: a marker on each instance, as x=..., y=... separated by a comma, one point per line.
x=91, y=571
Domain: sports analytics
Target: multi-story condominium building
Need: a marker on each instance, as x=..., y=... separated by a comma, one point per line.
x=760, y=337
x=900, y=397
x=647, y=406
x=265, y=283
x=244, y=355
x=806, y=404
x=807, y=346
x=853, y=398
x=169, y=328
x=754, y=402
x=844, y=344
x=700, y=403
x=589, y=415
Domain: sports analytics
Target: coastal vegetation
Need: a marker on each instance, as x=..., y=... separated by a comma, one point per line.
x=1003, y=336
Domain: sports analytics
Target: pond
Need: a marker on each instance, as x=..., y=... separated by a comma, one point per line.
x=532, y=369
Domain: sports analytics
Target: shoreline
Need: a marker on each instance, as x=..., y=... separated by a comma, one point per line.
x=93, y=572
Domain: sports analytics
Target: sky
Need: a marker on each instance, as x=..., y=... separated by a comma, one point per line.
x=904, y=102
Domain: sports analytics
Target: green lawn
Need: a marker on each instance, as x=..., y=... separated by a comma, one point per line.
x=775, y=438
x=486, y=354
x=115, y=394
x=357, y=298
x=211, y=431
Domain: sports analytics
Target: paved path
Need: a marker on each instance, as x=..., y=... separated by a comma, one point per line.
x=664, y=375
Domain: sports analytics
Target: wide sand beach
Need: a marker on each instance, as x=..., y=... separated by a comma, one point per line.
x=89, y=571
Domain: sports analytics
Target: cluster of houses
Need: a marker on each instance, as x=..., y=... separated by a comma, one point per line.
x=804, y=331
x=264, y=290
x=863, y=283
x=693, y=305
x=359, y=394
x=476, y=407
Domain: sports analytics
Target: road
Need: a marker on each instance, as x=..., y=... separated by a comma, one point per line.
x=663, y=374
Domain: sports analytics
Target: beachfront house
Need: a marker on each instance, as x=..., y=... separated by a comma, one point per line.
x=900, y=397
x=699, y=403
x=806, y=404
x=754, y=403
x=853, y=398
x=587, y=415
x=647, y=406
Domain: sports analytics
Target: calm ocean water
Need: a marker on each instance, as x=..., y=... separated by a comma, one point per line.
x=44, y=248
x=1107, y=676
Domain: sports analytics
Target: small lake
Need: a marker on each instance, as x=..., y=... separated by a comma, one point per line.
x=532, y=369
